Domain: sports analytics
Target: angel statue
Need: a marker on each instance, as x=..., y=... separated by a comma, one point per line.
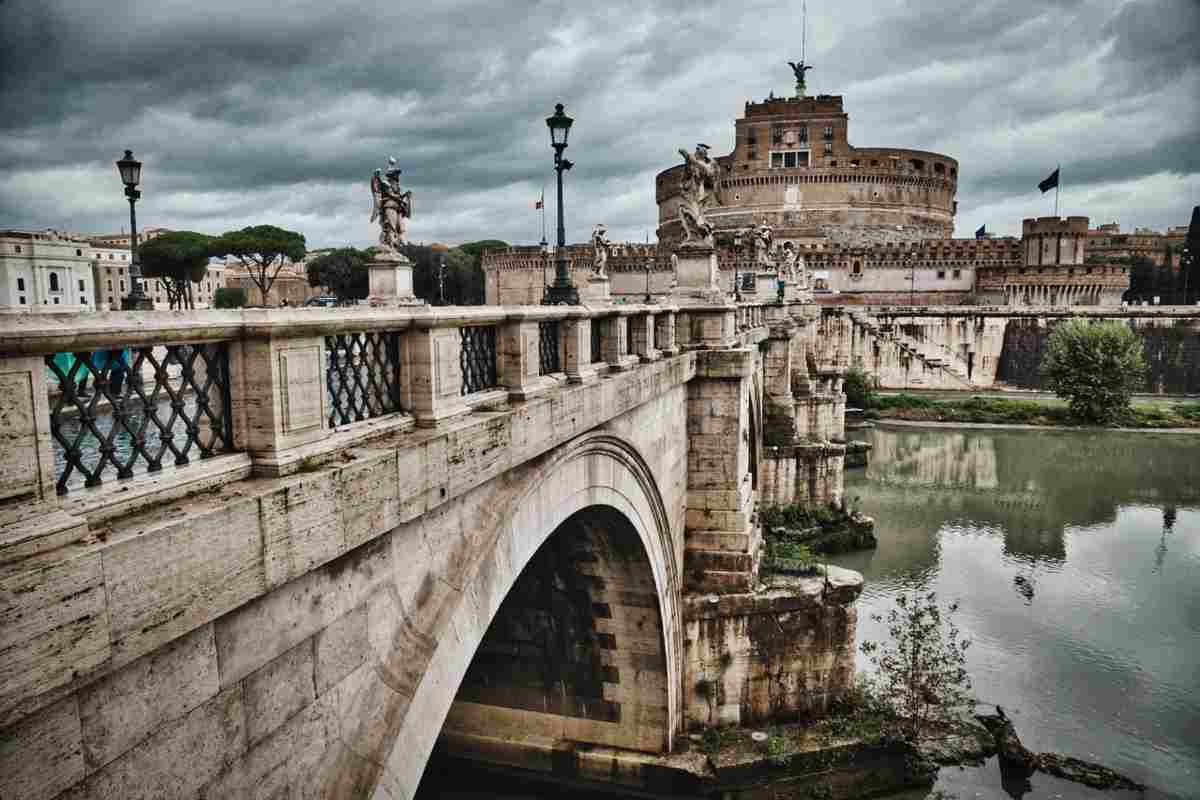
x=699, y=189
x=600, y=250
x=392, y=207
x=798, y=70
x=762, y=246
x=791, y=266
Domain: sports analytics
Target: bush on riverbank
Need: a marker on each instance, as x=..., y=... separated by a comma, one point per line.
x=860, y=389
x=1005, y=411
x=1096, y=367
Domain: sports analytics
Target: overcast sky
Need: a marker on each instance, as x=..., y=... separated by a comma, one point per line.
x=261, y=111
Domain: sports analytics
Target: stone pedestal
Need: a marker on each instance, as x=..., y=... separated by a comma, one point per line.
x=598, y=291
x=391, y=282
x=696, y=275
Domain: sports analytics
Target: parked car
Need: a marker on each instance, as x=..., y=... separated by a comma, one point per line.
x=322, y=301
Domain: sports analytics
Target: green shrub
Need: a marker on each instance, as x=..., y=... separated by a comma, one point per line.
x=1095, y=367
x=860, y=389
x=229, y=297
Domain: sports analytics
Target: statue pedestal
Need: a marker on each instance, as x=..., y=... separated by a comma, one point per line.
x=598, y=291
x=391, y=282
x=696, y=275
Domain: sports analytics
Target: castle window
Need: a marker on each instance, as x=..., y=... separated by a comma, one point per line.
x=54, y=283
x=78, y=252
x=854, y=162
x=22, y=298
x=941, y=274
x=20, y=284
x=802, y=133
x=833, y=163
x=81, y=285
x=940, y=169
x=874, y=162
x=957, y=273
x=18, y=248
x=776, y=134
x=857, y=268
x=918, y=164
x=953, y=172
x=828, y=134
x=829, y=148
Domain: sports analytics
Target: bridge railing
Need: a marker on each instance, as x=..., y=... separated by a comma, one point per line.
x=90, y=401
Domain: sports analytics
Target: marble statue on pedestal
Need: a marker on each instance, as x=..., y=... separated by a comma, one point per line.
x=699, y=190
x=392, y=208
x=601, y=246
x=762, y=247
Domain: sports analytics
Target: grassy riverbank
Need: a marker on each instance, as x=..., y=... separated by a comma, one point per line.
x=1004, y=411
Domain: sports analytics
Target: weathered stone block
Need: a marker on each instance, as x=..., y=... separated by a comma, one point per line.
x=278, y=690
x=121, y=709
x=264, y=628
x=42, y=755
x=285, y=763
x=181, y=572
x=178, y=759
x=53, y=624
x=341, y=648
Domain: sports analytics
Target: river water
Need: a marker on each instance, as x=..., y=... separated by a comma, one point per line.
x=1075, y=557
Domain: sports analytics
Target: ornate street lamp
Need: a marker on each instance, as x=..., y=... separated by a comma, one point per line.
x=131, y=175
x=562, y=291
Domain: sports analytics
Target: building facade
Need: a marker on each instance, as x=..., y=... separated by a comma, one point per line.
x=44, y=271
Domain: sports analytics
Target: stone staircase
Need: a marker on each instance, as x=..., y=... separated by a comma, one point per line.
x=948, y=366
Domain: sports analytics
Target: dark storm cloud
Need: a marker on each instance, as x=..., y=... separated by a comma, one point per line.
x=260, y=111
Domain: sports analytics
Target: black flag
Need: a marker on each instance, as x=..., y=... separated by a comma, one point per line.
x=979, y=234
x=1050, y=183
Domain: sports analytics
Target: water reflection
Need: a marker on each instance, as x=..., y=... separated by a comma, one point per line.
x=1076, y=557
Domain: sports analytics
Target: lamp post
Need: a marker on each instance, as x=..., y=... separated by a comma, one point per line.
x=562, y=291
x=442, y=280
x=131, y=175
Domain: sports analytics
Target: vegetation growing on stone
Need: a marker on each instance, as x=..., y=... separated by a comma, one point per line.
x=921, y=669
x=1095, y=367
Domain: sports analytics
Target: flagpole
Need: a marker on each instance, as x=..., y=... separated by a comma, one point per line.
x=1058, y=169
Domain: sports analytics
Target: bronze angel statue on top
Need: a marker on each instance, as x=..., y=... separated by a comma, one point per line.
x=392, y=207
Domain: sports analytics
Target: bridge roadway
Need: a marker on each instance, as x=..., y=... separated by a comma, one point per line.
x=517, y=532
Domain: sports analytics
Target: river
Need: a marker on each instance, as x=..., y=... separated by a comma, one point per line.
x=1075, y=557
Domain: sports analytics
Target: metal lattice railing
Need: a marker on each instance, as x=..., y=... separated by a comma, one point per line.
x=478, y=358
x=597, y=354
x=548, y=347
x=106, y=417
x=362, y=376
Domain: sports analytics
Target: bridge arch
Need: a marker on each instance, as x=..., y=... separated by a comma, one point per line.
x=597, y=471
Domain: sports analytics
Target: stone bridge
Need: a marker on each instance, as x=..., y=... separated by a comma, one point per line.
x=297, y=549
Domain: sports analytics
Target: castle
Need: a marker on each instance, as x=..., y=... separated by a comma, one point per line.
x=875, y=226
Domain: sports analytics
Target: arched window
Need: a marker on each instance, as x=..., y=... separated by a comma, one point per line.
x=54, y=282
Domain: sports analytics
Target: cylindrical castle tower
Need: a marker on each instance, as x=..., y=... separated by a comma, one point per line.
x=793, y=168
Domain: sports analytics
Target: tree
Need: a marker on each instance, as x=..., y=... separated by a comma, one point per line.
x=860, y=389
x=262, y=250
x=1095, y=367
x=464, y=282
x=178, y=259
x=922, y=669
x=229, y=297
x=343, y=271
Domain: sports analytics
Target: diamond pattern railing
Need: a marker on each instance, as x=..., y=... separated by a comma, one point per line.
x=118, y=423
x=478, y=358
x=362, y=375
x=548, y=347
